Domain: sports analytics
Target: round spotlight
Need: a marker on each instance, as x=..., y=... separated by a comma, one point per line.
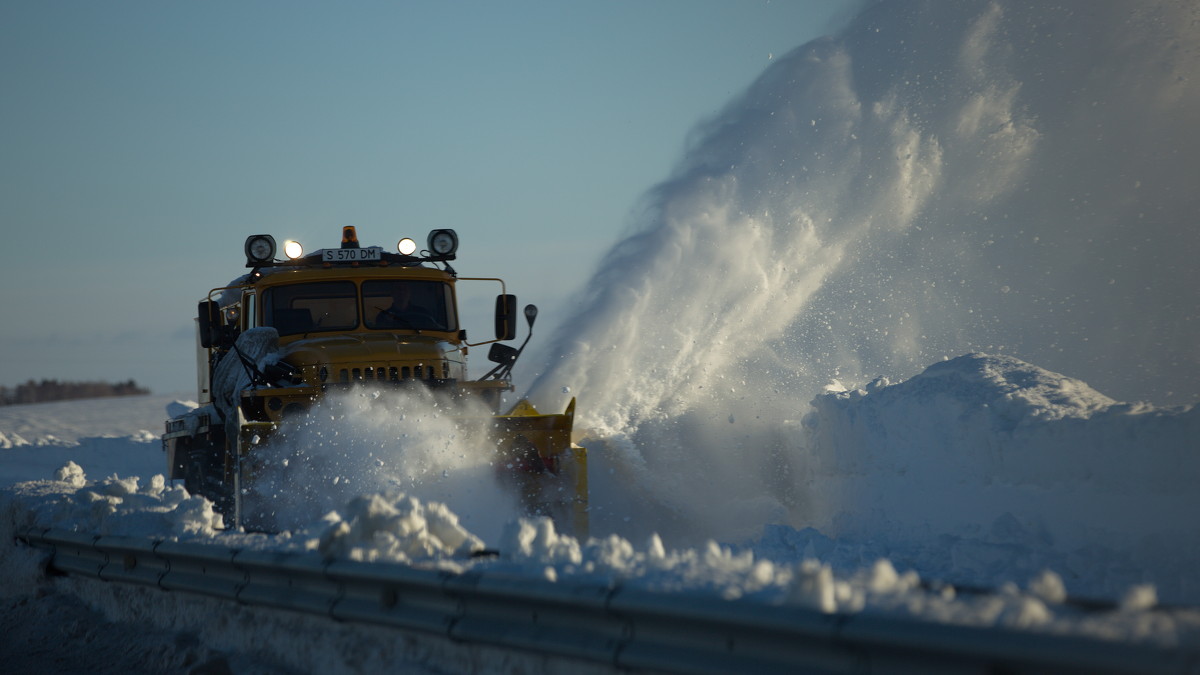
x=406, y=246
x=293, y=249
x=443, y=242
x=260, y=248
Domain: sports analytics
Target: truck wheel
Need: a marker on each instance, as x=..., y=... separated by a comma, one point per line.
x=200, y=478
x=193, y=472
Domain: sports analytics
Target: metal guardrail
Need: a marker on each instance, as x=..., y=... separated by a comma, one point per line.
x=626, y=628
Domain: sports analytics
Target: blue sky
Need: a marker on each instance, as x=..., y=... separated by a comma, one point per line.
x=143, y=141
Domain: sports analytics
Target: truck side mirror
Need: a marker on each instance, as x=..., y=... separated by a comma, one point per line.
x=503, y=354
x=506, y=314
x=208, y=315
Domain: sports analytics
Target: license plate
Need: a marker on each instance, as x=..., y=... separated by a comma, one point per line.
x=351, y=254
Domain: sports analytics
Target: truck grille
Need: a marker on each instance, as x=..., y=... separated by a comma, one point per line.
x=391, y=374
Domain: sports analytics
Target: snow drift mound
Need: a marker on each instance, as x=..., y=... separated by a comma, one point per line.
x=993, y=463
x=936, y=179
x=982, y=470
x=111, y=506
x=386, y=527
x=395, y=527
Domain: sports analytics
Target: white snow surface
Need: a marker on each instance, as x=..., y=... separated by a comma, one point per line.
x=933, y=192
x=981, y=472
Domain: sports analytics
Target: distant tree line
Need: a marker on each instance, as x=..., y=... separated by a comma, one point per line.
x=53, y=390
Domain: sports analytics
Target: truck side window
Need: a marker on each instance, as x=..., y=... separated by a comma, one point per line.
x=250, y=318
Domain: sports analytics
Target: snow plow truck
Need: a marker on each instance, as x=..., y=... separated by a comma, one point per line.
x=275, y=341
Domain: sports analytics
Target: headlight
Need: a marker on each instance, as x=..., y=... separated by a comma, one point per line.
x=293, y=249
x=260, y=248
x=406, y=246
x=443, y=242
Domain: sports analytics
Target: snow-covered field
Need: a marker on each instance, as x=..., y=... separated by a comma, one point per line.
x=980, y=472
x=797, y=374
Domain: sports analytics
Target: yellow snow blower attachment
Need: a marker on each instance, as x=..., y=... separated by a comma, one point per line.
x=548, y=471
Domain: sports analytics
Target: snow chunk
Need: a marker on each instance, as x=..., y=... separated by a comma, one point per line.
x=1025, y=612
x=394, y=527
x=1139, y=598
x=1049, y=587
x=535, y=540
x=116, y=506
x=885, y=579
x=813, y=586
x=71, y=474
x=11, y=440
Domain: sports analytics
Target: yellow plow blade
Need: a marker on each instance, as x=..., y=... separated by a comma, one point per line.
x=549, y=471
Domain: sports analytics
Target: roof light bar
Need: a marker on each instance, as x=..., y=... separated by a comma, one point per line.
x=261, y=250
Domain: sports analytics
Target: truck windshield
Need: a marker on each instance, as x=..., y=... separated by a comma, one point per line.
x=413, y=305
x=310, y=308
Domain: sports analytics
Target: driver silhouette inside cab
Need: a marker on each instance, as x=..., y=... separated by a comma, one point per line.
x=407, y=310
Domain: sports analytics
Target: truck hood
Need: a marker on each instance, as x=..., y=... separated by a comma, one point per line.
x=371, y=349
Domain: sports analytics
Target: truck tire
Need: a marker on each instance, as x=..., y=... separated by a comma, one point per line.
x=202, y=476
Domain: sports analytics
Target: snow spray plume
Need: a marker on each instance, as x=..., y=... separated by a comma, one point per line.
x=938, y=178
x=367, y=441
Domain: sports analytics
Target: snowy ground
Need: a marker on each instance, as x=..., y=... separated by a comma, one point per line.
x=982, y=471
x=936, y=182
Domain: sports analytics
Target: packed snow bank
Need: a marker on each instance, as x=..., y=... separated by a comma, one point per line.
x=997, y=465
x=402, y=530
x=390, y=527
x=397, y=528
x=983, y=470
x=1038, y=603
x=114, y=506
